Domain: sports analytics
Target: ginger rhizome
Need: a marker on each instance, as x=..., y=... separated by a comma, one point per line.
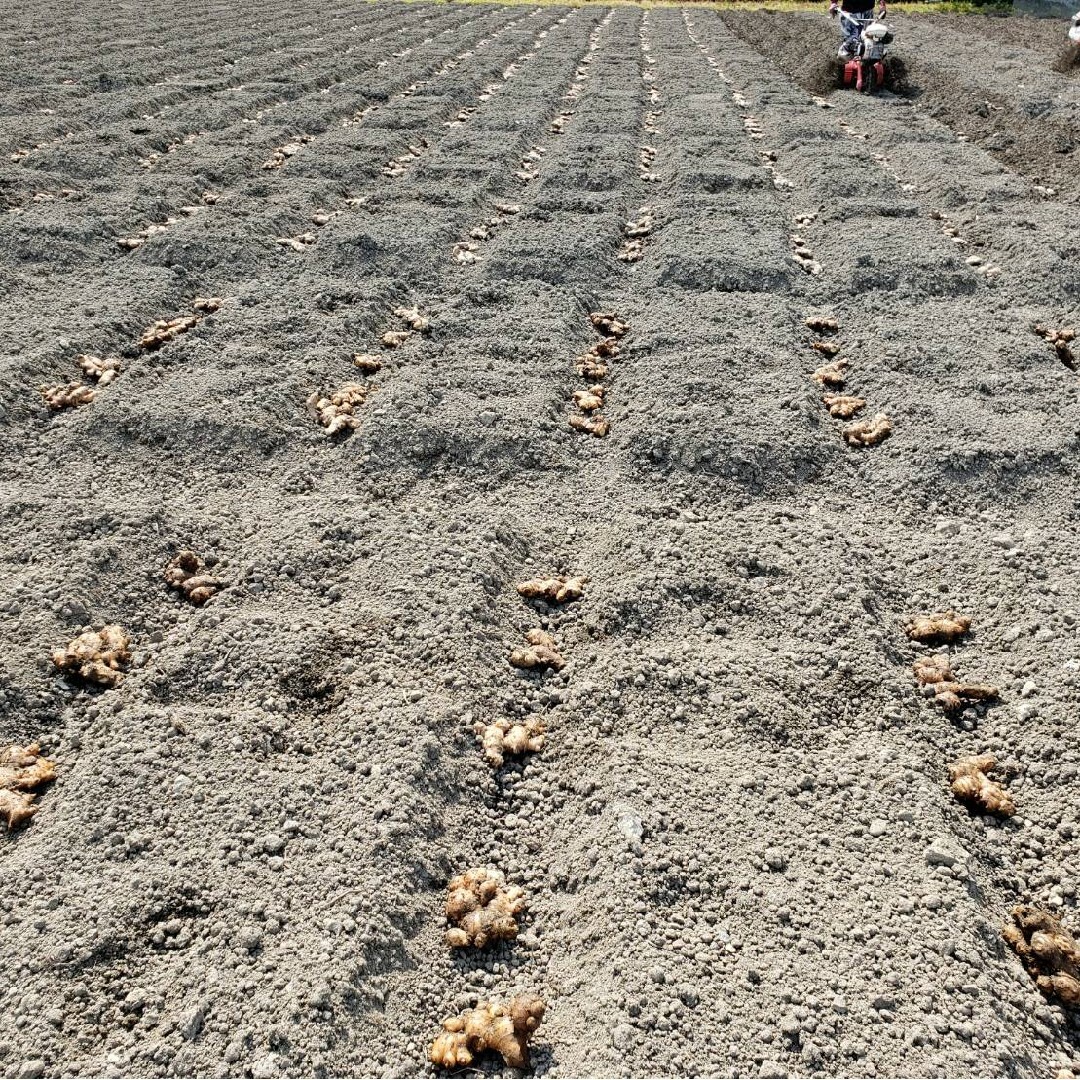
x=868, y=432
x=822, y=324
x=97, y=656
x=972, y=786
x=186, y=573
x=1060, y=340
x=541, y=652
x=1048, y=951
x=158, y=333
x=101, y=369
x=843, y=406
x=608, y=324
x=69, y=396
x=501, y=737
x=558, y=590
x=505, y=1029
x=948, y=693
x=593, y=424
x=22, y=772
x=939, y=628
x=826, y=348
x=831, y=376
x=337, y=412
x=414, y=318
x=482, y=908
x=368, y=363
x=394, y=339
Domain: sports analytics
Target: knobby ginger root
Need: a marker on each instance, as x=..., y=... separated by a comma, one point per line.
x=826, y=348
x=185, y=574
x=843, y=406
x=67, y=397
x=868, y=432
x=1048, y=951
x=588, y=367
x=1060, y=339
x=22, y=771
x=415, y=318
x=541, y=652
x=943, y=626
x=948, y=694
x=972, y=786
x=642, y=225
x=594, y=424
x=558, y=590
x=97, y=656
x=482, y=908
x=337, y=412
x=367, y=363
x=165, y=330
x=207, y=304
x=101, y=369
x=465, y=253
x=831, y=375
x=506, y=1029
x=822, y=324
x=502, y=737
x=631, y=251
x=608, y=324
x=394, y=339
x=589, y=400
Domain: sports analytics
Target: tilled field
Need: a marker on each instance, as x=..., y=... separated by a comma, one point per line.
x=739, y=850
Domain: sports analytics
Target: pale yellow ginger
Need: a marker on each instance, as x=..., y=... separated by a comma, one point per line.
x=394, y=339
x=102, y=369
x=608, y=324
x=1048, y=951
x=831, y=375
x=642, y=225
x=516, y=737
x=868, y=432
x=822, y=324
x=482, y=909
x=22, y=771
x=943, y=626
x=465, y=253
x=67, y=396
x=826, y=348
x=337, y=412
x=414, y=318
x=843, y=406
x=593, y=424
x=1060, y=340
x=589, y=400
x=588, y=367
x=505, y=1029
x=97, y=656
x=631, y=251
x=949, y=694
x=971, y=785
x=559, y=590
x=187, y=575
x=207, y=304
x=158, y=333
x=541, y=652
x=368, y=363
x=300, y=242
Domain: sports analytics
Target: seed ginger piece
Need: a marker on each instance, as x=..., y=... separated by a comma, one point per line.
x=337, y=412
x=415, y=318
x=394, y=339
x=502, y=737
x=826, y=348
x=593, y=424
x=541, y=653
x=506, y=1029
x=822, y=324
x=482, y=908
x=943, y=626
x=97, y=656
x=1060, y=339
x=589, y=400
x=165, y=330
x=22, y=771
x=1048, y=951
x=101, y=369
x=631, y=251
x=207, y=304
x=972, y=786
x=67, y=396
x=185, y=573
x=868, y=432
x=843, y=406
x=608, y=324
x=588, y=367
x=368, y=363
x=558, y=590
x=831, y=375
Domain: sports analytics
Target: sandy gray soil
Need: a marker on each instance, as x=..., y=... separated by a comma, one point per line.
x=738, y=845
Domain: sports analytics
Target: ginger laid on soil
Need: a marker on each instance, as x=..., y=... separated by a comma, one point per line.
x=608, y=324
x=588, y=367
x=337, y=412
x=413, y=316
x=482, y=908
x=972, y=786
x=394, y=339
x=1060, y=340
x=506, y=1029
x=943, y=626
x=502, y=737
x=631, y=251
x=831, y=375
x=67, y=397
x=165, y=330
x=22, y=770
x=541, y=653
x=101, y=369
x=96, y=656
x=367, y=363
x=822, y=324
x=185, y=574
x=826, y=348
x=1048, y=951
x=207, y=304
x=843, y=406
x=589, y=400
x=868, y=432
x=950, y=695
x=594, y=424
x=558, y=590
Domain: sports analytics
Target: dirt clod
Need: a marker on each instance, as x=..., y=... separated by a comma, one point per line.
x=541, y=653
x=501, y=737
x=97, y=656
x=971, y=785
x=505, y=1029
x=482, y=909
x=1048, y=951
x=186, y=573
x=22, y=771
